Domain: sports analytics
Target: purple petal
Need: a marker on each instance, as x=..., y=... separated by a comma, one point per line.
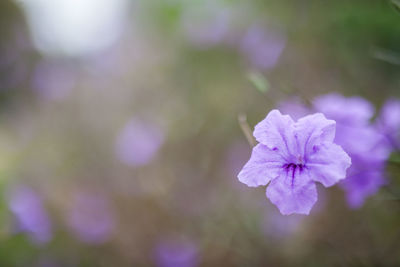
x=362, y=186
x=390, y=114
x=328, y=164
x=263, y=46
x=353, y=130
x=365, y=141
x=28, y=208
x=276, y=131
x=350, y=111
x=313, y=130
x=364, y=179
x=389, y=122
x=91, y=218
x=138, y=143
x=293, y=193
x=264, y=164
x=207, y=28
x=176, y=253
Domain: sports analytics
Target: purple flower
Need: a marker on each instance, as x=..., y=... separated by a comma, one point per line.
x=358, y=137
x=292, y=156
x=389, y=122
x=32, y=217
x=262, y=46
x=354, y=131
x=176, y=253
x=364, y=178
x=207, y=28
x=352, y=111
x=91, y=218
x=138, y=143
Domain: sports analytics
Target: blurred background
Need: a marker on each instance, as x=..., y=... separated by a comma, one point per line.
x=119, y=136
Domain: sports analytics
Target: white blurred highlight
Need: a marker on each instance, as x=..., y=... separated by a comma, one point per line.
x=74, y=27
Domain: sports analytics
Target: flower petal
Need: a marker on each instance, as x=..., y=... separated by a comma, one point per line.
x=313, y=130
x=290, y=195
x=364, y=141
x=264, y=165
x=359, y=187
x=364, y=179
x=276, y=131
x=328, y=164
x=389, y=118
x=345, y=110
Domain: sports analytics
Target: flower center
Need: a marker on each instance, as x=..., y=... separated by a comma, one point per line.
x=293, y=167
x=299, y=160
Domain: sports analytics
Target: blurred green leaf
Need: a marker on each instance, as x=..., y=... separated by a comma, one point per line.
x=395, y=4
x=387, y=56
x=395, y=158
x=259, y=81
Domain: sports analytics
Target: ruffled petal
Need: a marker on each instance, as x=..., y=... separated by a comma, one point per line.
x=264, y=165
x=328, y=164
x=313, y=130
x=293, y=193
x=276, y=131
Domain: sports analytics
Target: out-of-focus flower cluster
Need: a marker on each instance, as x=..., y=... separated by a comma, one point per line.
x=124, y=150
x=368, y=142
x=213, y=25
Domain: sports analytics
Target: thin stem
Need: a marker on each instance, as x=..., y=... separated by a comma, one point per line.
x=246, y=129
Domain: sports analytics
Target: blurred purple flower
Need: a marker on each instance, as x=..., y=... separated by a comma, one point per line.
x=364, y=143
x=30, y=213
x=138, y=143
x=176, y=253
x=207, y=30
x=354, y=131
x=292, y=156
x=91, y=218
x=389, y=122
x=53, y=80
x=352, y=111
x=262, y=46
x=294, y=107
x=363, y=180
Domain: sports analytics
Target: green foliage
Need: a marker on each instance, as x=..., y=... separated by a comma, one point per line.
x=258, y=81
